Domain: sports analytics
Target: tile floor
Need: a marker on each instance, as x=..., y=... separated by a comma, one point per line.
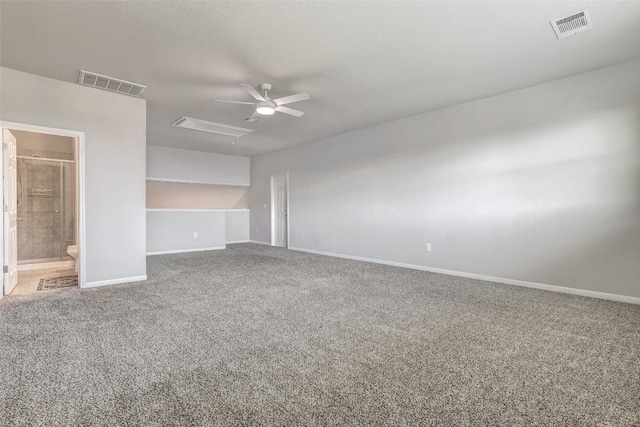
x=28, y=280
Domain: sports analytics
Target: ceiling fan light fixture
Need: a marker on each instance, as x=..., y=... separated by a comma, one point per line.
x=266, y=106
x=265, y=109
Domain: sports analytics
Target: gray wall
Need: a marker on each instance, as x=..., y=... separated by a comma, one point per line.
x=180, y=195
x=237, y=225
x=172, y=230
x=115, y=157
x=196, y=166
x=540, y=184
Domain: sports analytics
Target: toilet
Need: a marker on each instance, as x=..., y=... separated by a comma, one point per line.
x=73, y=252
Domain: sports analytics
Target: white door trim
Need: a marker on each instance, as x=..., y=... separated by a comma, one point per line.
x=9, y=257
x=80, y=174
x=273, y=208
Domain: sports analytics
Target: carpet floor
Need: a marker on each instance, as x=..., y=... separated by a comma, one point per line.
x=254, y=335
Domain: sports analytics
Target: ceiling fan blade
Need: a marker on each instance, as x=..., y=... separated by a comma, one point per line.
x=292, y=98
x=290, y=111
x=234, y=102
x=253, y=92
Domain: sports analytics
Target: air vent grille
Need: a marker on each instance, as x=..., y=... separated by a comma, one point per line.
x=205, y=126
x=88, y=78
x=573, y=24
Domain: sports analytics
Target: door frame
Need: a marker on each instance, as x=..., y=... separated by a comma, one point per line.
x=273, y=207
x=80, y=186
x=7, y=221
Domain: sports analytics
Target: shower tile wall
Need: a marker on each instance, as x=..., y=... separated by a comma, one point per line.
x=39, y=232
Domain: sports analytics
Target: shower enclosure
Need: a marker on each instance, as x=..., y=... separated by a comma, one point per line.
x=46, y=209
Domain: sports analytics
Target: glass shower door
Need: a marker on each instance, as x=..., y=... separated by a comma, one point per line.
x=46, y=203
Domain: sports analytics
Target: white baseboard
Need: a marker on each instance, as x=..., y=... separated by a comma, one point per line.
x=114, y=281
x=45, y=265
x=181, y=251
x=258, y=242
x=514, y=282
x=237, y=241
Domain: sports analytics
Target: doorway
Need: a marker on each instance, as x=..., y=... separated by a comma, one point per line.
x=43, y=204
x=280, y=210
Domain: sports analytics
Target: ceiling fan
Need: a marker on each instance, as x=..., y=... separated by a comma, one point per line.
x=266, y=106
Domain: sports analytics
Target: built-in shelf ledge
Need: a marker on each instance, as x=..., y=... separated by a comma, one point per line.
x=194, y=210
x=186, y=181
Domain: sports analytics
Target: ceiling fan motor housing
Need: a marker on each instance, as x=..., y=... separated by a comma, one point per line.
x=266, y=108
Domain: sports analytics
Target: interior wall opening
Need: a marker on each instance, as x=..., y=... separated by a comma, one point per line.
x=46, y=200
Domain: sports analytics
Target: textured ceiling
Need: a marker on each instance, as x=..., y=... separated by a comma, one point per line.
x=363, y=63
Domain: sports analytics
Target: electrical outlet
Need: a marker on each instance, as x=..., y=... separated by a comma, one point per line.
x=264, y=206
x=257, y=229
x=302, y=234
x=195, y=234
x=427, y=247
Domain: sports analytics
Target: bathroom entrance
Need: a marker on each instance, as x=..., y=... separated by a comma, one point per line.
x=41, y=224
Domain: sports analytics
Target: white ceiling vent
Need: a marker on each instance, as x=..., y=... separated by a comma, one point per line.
x=205, y=126
x=88, y=78
x=573, y=24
